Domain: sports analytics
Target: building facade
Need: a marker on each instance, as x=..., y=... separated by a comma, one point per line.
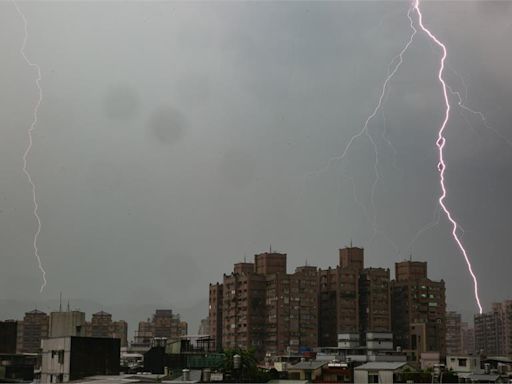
x=353, y=301
x=374, y=301
x=71, y=358
x=259, y=305
x=493, y=330
x=339, y=298
x=418, y=310
x=468, y=339
x=67, y=323
x=453, y=333
x=102, y=325
x=31, y=330
x=164, y=324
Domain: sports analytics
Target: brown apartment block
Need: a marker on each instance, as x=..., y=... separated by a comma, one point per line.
x=101, y=325
x=264, y=308
x=33, y=328
x=243, y=310
x=468, y=339
x=163, y=324
x=374, y=301
x=493, y=330
x=215, y=315
x=418, y=310
x=352, y=300
x=453, y=333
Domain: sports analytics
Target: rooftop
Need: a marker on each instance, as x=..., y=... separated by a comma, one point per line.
x=381, y=366
x=309, y=365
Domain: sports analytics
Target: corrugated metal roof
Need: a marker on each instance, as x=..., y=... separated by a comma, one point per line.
x=381, y=365
x=484, y=378
x=309, y=365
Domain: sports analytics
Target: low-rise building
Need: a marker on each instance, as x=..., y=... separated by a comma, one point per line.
x=428, y=360
x=463, y=365
x=306, y=370
x=380, y=372
x=17, y=367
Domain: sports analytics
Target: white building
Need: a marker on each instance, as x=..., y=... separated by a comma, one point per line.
x=56, y=360
x=379, y=372
x=463, y=365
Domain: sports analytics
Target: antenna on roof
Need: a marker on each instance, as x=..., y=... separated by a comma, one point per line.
x=350, y=243
x=270, y=248
x=60, y=301
x=68, y=305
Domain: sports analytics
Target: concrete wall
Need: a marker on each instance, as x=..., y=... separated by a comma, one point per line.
x=64, y=324
x=51, y=368
x=361, y=376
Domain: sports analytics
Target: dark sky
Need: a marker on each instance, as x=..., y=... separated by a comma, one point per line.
x=176, y=138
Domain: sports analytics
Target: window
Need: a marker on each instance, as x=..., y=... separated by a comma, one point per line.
x=61, y=357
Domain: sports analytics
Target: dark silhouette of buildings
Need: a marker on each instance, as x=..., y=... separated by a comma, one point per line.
x=8, y=336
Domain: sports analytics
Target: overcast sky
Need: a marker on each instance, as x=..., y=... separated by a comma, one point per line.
x=176, y=138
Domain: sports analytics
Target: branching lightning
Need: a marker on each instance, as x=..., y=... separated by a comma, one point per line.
x=441, y=142
x=30, y=142
x=393, y=68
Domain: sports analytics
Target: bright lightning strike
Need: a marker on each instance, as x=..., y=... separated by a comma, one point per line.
x=441, y=142
x=29, y=146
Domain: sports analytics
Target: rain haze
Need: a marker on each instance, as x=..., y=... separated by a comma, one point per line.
x=177, y=138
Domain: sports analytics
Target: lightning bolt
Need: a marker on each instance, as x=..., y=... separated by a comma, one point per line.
x=440, y=143
x=393, y=68
x=30, y=142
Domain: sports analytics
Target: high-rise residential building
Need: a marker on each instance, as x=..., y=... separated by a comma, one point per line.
x=339, y=298
x=67, y=323
x=374, y=301
x=418, y=310
x=164, y=324
x=215, y=306
x=353, y=301
x=243, y=309
x=292, y=310
x=453, y=333
x=468, y=339
x=31, y=330
x=504, y=311
x=489, y=334
x=493, y=330
x=8, y=336
x=102, y=325
x=265, y=308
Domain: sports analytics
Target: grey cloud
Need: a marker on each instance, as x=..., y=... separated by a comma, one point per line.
x=228, y=110
x=167, y=124
x=121, y=102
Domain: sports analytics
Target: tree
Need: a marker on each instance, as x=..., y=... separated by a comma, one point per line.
x=248, y=371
